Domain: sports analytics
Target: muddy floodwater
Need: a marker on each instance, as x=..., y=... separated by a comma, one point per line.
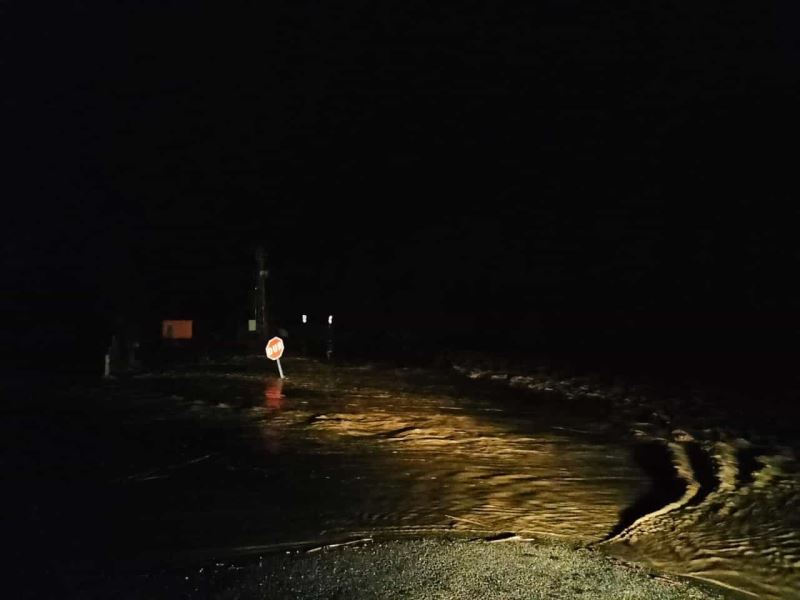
x=228, y=460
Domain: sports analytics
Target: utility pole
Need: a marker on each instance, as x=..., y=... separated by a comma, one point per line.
x=261, y=298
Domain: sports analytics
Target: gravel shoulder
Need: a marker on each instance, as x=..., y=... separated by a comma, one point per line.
x=427, y=568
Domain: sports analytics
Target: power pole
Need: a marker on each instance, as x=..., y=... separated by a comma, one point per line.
x=261, y=299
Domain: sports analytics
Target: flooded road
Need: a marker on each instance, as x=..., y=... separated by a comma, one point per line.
x=229, y=460
x=740, y=528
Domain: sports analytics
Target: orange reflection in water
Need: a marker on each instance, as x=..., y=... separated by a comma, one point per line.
x=273, y=401
x=273, y=394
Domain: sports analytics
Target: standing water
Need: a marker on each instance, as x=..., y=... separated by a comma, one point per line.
x=226, y=461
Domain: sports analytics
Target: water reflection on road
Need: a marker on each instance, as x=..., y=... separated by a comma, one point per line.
x=428, y=458
x=332, y=452
x=273, y=394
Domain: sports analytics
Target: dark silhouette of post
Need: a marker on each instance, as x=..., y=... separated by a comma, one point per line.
x=261, y=316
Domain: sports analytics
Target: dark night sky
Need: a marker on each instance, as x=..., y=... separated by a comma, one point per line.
x=466, y=166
